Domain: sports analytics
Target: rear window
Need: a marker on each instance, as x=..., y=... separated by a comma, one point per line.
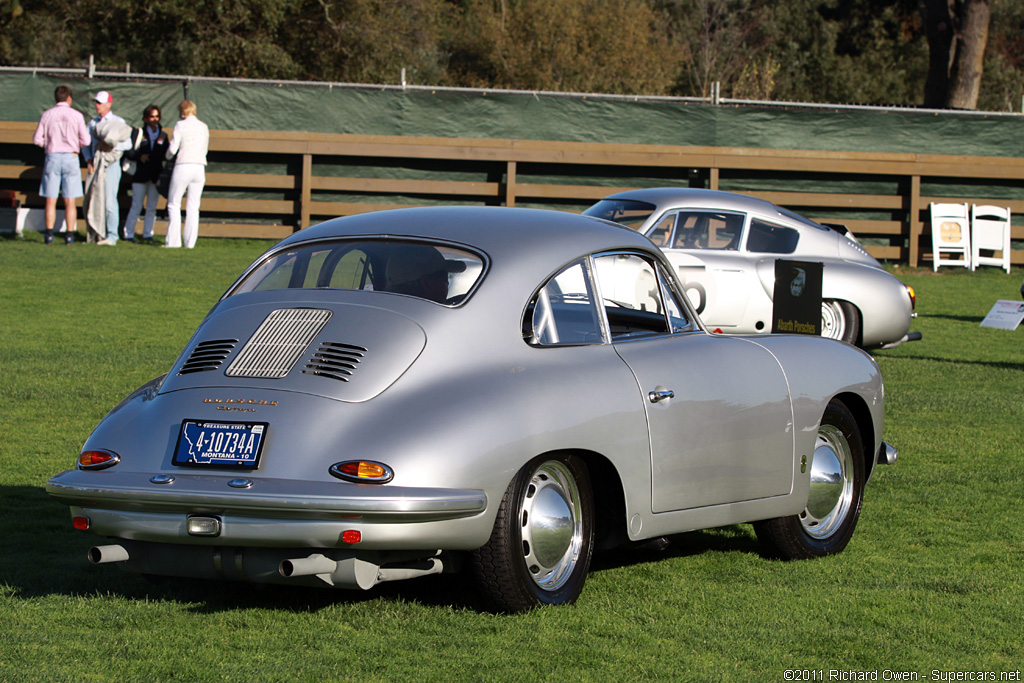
x=435, y=272
x=628, y=212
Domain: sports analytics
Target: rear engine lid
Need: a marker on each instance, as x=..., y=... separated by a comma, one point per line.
x=345, y=352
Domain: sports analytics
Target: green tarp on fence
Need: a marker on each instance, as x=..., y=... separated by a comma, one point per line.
x=496, y=114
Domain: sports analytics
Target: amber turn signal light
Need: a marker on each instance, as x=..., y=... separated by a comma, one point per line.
x=362, y=471
x=97, y=460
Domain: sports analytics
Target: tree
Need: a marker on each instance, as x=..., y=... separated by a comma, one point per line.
x=724, y=41
x=1003, y=80
x=957, y=32
x=369, y=41
x=612, y=46
x=850, y=52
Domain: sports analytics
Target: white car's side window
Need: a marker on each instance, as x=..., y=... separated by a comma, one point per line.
x=564, y=311
x=716, y=230
x=661, y=234
x=766, y=238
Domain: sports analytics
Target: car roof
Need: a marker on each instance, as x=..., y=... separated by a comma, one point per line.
x=676, y=197
x=691, y=196
x=504, y=233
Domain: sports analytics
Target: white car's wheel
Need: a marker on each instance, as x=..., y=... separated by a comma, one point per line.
x=840, y=320
x=836, y=490
x=539, y=551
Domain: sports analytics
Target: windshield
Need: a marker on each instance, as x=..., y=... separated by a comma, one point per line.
x=435, y=272
x=628, y=212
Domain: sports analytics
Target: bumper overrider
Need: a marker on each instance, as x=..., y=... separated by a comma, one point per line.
x=271, y=530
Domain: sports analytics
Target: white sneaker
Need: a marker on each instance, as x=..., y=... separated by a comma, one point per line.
x=106, y=242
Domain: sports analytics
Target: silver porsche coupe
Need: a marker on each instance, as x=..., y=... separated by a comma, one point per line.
x=724, y=247
x=490, y=390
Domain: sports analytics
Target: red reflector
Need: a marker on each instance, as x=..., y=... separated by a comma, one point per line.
x=80, y=523
x=351, y=536
x=349, y=468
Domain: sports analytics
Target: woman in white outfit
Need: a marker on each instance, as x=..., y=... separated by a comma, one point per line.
x=190, y=142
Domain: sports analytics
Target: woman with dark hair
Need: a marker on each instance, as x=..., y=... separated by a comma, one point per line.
x=190, y=142
x=149, y=149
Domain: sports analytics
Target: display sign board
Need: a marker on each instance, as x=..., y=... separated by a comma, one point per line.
x=1005, y=315
x=797, y=304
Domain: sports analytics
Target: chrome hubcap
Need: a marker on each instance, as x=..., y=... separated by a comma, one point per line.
x=552, y=525
x=831, y=494
x=833, y=321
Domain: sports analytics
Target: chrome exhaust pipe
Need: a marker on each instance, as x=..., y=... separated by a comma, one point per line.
x=101, y=554
x=909, y=337
x=345, y=573
x=887, y=454
x=307, y=566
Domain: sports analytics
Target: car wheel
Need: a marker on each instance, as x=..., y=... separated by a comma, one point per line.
x=836, y=491
x=839, y=320
x=540, y=548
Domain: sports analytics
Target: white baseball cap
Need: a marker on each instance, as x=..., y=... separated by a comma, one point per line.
x=103, y=97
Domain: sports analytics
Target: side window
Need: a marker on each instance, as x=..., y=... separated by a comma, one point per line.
x=691, y=231
x=677, y=317
x=631, y=290
x=708, y=230
x=662, y=232
x=564, y=311
x=766, y=238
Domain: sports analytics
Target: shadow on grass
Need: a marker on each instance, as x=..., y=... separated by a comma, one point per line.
x=44, y=556
x=997, y=365
x=956, y=318
x=731, y=539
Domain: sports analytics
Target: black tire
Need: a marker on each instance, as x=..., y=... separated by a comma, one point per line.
x=540, y=548
x=840, y=320
x=837, y=490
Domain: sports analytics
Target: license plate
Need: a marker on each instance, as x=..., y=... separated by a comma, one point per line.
x=232, y=444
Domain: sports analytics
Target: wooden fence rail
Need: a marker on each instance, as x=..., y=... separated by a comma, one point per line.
x=268, y=184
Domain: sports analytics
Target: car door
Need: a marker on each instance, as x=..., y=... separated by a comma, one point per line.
x=718, y=408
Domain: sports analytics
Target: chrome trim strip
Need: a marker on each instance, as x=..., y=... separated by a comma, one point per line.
x=330, y=500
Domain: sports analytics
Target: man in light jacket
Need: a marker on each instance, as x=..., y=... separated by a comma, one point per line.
x=103, y=162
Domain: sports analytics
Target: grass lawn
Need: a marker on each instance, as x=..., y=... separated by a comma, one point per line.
x=930, y=583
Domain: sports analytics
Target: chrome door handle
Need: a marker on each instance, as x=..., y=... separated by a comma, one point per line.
x=656, y=396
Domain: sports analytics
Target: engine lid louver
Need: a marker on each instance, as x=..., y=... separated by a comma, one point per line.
x=208, y=355
x=335, y=361
x=279, y=342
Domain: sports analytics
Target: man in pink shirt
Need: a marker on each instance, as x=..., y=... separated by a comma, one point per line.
x=61, y=133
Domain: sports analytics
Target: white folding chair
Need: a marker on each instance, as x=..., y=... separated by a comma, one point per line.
x=990, y=231
x=950, y=235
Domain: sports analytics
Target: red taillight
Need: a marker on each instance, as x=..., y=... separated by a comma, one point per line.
x=80, y=523
x=351, y=536
x=97, y=460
